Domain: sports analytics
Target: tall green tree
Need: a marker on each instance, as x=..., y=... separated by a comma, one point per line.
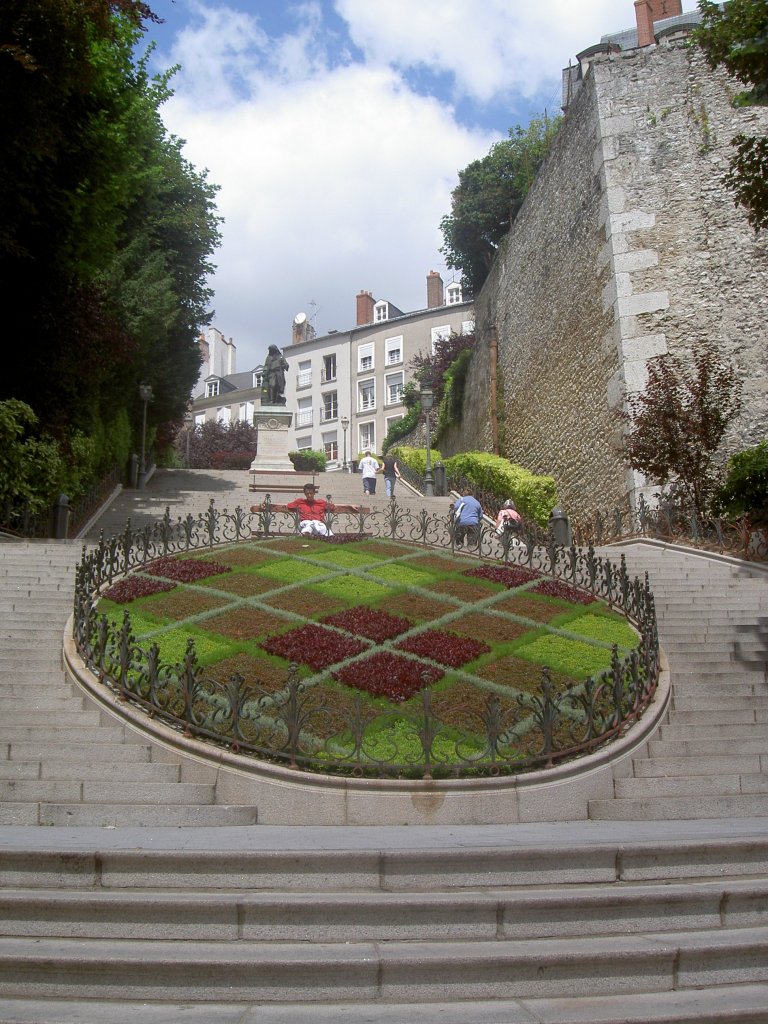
x=106, y=232
x=488, y=197
x=736, y=37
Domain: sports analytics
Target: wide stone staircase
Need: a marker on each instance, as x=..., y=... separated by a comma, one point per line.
x=63, y=761
x=710, y=756
x=138, y=907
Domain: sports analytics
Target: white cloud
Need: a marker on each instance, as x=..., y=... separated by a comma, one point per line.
x=334, y=174
x=329, y=183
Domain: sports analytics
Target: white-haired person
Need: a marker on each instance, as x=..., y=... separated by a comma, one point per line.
x=508, y=518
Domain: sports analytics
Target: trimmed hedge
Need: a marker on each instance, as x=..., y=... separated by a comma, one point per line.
x=534, y=496
x=415, y=458
x=308, y=461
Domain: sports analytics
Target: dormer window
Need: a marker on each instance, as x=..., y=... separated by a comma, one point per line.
x=453, y=294
x=380, y=312
x=212, y=388
x=258, y=379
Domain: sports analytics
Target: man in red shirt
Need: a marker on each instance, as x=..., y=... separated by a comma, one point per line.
x=311, y=512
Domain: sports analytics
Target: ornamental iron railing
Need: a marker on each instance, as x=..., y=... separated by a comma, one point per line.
x=503, y=732
x=675, y=523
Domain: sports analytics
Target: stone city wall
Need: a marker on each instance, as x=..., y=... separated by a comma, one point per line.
x=628, y=246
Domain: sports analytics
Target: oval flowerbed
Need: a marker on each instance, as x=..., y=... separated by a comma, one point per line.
x=342, y=657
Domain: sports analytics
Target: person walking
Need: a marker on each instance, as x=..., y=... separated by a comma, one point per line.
x=369, y=467
x=391, y=472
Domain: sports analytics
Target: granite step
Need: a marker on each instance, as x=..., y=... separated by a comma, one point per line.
x=278, y=972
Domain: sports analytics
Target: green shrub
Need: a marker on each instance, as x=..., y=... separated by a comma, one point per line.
x=415, y=458
x=401, y=428
x=534, y=496
x=31, y=466
x=745, y=491
x=308, y=461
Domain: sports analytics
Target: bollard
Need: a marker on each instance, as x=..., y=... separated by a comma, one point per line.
x=560, y=527
x=61, y=514
x=440, y=483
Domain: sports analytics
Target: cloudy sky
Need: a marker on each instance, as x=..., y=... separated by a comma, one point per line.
x=336, y=129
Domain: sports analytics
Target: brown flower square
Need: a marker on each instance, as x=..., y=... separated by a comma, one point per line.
x=244, y=623
x=492, y=628
x=243, y=584
x=518, y=674
x=267, y=675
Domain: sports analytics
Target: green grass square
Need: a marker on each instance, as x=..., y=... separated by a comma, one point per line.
x=572, y=657
x=289, y=570
x=350, y=588
x=606, y=628
x=344, y=557
x=403, y=575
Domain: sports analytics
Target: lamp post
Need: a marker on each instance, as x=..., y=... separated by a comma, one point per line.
x=344, y=424
x=145, y=394
x=427, y=398
x=189, y=420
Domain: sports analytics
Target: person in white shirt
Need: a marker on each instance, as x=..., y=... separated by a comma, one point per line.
x=369, y=467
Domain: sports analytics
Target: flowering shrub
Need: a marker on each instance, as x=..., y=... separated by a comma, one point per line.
x=555, y=588
x=132, y=587
x=388, y=675
x=376, y=625
x=314, y=646
x=185, y=570
x=508, y=576
x=447, y=648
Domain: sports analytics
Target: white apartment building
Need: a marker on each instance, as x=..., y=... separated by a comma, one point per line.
x=351, y=379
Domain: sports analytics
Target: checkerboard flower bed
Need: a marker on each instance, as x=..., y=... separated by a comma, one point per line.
x=506, y=575
x=563, y=591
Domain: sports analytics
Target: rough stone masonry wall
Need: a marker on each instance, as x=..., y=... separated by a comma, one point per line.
x=686, y=266
x=628, y=246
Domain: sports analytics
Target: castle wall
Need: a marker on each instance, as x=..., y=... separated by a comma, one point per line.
x=628, y=246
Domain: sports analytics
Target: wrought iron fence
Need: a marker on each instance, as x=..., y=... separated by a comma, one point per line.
x=675, y=523
x=505, y=732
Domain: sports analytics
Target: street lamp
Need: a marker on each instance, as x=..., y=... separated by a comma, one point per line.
x=344, y=424
x=145, y=394
x=427, y=398
x=189, y=420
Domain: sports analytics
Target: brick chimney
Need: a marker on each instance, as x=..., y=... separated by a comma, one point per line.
x=435, y=293
x=649, y=11
x=365, y=304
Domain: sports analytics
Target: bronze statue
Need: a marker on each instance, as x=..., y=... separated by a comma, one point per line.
x=274, y=377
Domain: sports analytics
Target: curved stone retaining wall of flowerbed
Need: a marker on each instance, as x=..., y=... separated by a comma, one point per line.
x=290, y=729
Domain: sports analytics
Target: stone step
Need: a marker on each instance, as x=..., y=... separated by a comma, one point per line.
x=701, y=764
x=683, y=808
x=34, y=715
x=634, y=788
x=712, y=702
x=52, y=736
x=688, y=748
x=101, y=792
x=126, y=815
x=77, y=752
x=724, y=717
x=680, y=731
x=150, y=771
x=363, y=867
x=211, y=916
x=249, y=970
x=733, y=1004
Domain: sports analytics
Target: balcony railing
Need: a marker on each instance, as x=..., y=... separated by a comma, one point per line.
x=303, y=418
x=326, y=415
x=328, y=377
x=304, y=380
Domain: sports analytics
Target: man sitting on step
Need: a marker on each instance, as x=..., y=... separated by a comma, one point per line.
x=312, y=512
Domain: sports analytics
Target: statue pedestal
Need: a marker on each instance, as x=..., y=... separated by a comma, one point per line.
x=272, y=425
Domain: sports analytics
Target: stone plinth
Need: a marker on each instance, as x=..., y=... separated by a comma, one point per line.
x=272, y=425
